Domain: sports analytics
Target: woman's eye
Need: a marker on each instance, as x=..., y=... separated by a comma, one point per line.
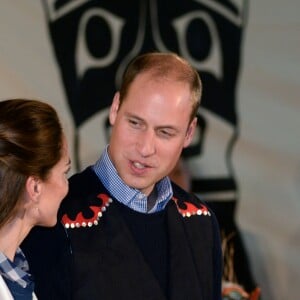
x=68, y=171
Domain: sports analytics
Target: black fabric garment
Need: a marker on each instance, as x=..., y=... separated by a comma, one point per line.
x=105, y=262
x=150, y=234
x=49, y=257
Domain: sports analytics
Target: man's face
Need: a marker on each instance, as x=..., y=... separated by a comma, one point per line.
x=150, y=129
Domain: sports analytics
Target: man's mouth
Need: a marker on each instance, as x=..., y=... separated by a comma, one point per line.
x=138, y=165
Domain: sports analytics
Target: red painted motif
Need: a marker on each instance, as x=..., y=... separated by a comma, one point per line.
x=191, y=209
x=81, y=221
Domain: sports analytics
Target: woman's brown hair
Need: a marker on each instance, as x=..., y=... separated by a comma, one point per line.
x=31, y=138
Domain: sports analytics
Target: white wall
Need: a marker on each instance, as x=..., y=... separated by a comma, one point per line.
x=267, y=157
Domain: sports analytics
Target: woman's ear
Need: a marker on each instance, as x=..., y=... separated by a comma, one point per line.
x=33, y=188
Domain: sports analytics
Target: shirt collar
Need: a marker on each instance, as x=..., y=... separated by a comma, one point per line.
x=128, y=196
x=17, y=270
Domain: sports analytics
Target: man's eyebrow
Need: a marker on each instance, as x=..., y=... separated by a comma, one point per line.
x=168, y=127
x=159, y=127
x=130, y=115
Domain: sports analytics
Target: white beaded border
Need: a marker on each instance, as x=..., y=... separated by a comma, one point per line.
x=73, y=225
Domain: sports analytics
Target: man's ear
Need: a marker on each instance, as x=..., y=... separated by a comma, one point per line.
x=114, y=108
x=190, y=132
x=33, y=188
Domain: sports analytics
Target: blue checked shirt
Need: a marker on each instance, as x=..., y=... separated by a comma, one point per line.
x=16, y=271
x=128, y=196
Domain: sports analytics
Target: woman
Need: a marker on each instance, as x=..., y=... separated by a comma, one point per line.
x=34, y=162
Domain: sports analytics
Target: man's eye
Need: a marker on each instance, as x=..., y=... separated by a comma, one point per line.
x=134, y=123
x=165, y=133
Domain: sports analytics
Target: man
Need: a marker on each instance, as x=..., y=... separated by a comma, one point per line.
x=133, y=233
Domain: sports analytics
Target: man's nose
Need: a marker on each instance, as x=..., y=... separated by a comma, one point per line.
x=146, y=144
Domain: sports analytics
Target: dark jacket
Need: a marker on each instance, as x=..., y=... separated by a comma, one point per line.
x=106, y=262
